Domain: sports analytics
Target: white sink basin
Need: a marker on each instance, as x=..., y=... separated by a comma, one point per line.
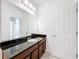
x=32, y=40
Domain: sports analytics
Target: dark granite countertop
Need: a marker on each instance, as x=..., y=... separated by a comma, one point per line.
x=11, y=43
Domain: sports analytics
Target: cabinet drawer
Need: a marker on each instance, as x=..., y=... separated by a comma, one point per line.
x=22, y=55
x=33, y=48
x=41, y=41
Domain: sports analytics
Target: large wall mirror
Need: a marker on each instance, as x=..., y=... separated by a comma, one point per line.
x=17, y=19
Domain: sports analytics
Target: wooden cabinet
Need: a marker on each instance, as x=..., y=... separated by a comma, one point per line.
x=28, y=57
x=40, y=50
x=42, y=47
x=22, y=55
x=34, y=52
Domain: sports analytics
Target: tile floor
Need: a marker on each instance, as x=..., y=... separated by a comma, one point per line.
x=47, y=55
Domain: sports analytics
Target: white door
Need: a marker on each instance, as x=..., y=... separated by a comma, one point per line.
x=60, y=27
x=64, y=38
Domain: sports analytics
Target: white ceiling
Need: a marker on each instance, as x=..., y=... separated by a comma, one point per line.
x=39, y=2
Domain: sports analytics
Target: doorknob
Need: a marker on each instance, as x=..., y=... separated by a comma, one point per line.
x=54, y=36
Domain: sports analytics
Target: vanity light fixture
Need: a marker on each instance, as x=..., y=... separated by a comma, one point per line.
x=25, y=2
x=28, y=4
x=34, y=8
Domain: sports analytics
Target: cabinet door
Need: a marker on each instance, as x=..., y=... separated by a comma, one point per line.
x=40, y=50
x=28, y=57
x=34, y=54
x=44, y=46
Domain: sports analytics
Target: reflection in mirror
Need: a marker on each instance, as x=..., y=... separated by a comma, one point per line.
x=25, y=5
x=14, y=27
x=17, y=20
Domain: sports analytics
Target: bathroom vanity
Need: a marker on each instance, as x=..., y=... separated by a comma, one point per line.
x=35, y=51
x=30, y=49
x=20, y=23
